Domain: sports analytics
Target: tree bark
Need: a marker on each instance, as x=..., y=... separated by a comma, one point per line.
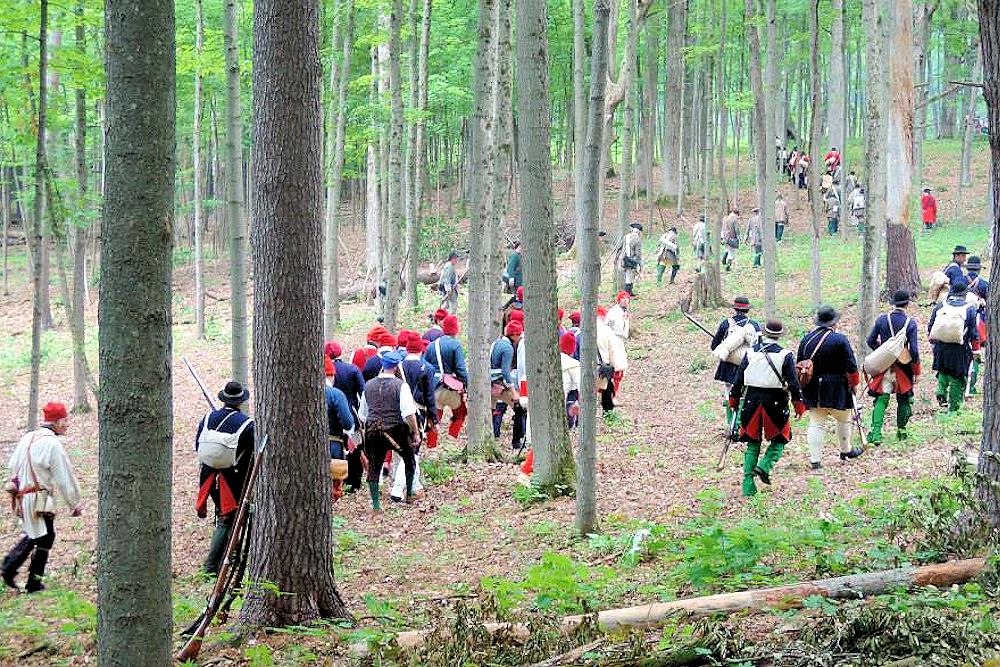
x=394, y=217
x=589, y=271
x=5, y=202
x=332, y=301
x=503, y=136
x=579, y=110
x=291, y=540
x=39, y=275
x=78, y=298
x=199, y=176
x=628, y=82
x=234, y=198
x=134, y=607
x=902, y=272
x=419, y=38
x=553, y=473
x=969, y=129
x=815, y=200
x=647, y=131
x=922, y=68
x=480, y=443
x=875, y=170
x=671, y=158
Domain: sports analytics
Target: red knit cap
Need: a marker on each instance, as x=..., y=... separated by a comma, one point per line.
x=328, y=368
x=601, y=311
x=53, y=412
x=562, y=314
x=513, y=329
x=332, y=349
x=376, y=333
x=623, y=295
x=567, y=343
x=516, y=316
x=440, y=314
x=414, y=344
x=520, y=293
x=450, y=326
x=574, y=317
x=386, y=340
x=404, y=337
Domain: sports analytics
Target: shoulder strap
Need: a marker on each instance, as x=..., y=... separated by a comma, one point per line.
x=437, y=345
x=820, y=343
x=223, y=421
x=767, y=358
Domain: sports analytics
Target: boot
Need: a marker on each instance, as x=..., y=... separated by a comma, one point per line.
x=14, y=560
x=217, y=550
x=878, y=418
x=771, y=456
x=517, y=434
x=36, y=571
x=628, y=288
x=673, y=272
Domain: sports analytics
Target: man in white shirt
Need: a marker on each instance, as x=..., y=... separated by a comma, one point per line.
x=618, y=318
x=39, y=469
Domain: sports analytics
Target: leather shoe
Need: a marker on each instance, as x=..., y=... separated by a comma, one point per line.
x=760, y=472
x=8, y=579
x=815, y=465
x=853, y=454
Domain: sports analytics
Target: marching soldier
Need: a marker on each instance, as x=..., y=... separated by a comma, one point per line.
x=954, y=334
x=668, y=255
x=632, y=256
x=979, y=289
x=448, y=284
x=900, y=378
x=735, y=335
x=768, y=375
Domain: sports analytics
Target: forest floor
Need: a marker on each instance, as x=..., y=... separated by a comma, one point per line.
x=671, y=524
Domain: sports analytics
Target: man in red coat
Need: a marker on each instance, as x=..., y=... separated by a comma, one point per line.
x=928, y=209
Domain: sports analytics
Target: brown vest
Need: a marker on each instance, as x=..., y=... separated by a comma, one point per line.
x=382, y=398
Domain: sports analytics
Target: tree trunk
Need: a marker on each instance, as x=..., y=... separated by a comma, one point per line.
x=553, y=472
x=5, y=202
x=989, y=457
x=671, y=158
x=579, y=111
x=902, y=272
x=481, y=443
x=647, y=146
x=373, y=212
x=875, y=170
x=589, y=271
x=628, y=82
x=394, y=219
x=815, y=200
x=291, y=541
x=199, y=176
x=969, y=130
x=419, y=36
x=503, y=140
x=38, y=274
x=921, y=40
x=837, y=88
x=134, y=607
x=234, y=198
x=78, y=298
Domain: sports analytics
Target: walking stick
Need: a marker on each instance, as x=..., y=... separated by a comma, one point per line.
x=201, y=385
x=225, y=578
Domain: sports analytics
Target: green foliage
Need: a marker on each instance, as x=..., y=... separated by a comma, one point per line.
x=436, y=471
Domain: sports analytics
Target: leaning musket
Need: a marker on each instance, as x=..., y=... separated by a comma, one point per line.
x=697, y=324
x=201, y=385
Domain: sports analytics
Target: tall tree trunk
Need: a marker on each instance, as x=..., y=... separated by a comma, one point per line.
x=647, y=131
x=875, y=169
x=676, y=31
x=837, y=86
x=989, y=457
x=394, y=218
x=480, y=442
x=199, y=176
x=579, y=110
x=234, y=198
x=420, y=163
x=628, y=82
x=39, y=276
x=815, y=132
x=412, y=177
x=134, y=607
x=902, y=271
x=589, y=271
x=332, y=300
x=553, y=453
x=291, y=541
x=77, y=325
x=503, y=139
x=922, y=69
x=5, y=202
x=373, y=212
x=969, y=129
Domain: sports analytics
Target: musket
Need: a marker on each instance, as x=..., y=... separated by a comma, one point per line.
x=857, y=421
x=698, y=324
x=201, y=385
x=225, y=579
x=730, y=437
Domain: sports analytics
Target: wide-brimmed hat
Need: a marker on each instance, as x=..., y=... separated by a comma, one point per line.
x=741, y=303
x=901, y=298
x=774, y=329
x=960, y=250
x=234, y=393
x=827, y=316
x=636, y=225
x=974, y=263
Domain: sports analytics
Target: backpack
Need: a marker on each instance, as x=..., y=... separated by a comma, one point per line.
x=938, y=290
x=739, y=339
x=889, y=352
x=804, y=369
x=217, y=449
x=949, y=324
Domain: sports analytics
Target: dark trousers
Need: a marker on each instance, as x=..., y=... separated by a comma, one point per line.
x=355, y=469
x=572, y=409
x=608, y=397
x=38, y=549
x=377, y=445
x=519, y=422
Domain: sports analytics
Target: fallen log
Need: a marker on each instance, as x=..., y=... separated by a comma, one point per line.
x=365, y=288
x=792, y=596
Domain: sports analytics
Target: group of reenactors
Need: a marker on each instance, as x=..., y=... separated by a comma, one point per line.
x=765, y=382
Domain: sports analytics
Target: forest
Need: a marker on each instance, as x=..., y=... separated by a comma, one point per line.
x=758, y=232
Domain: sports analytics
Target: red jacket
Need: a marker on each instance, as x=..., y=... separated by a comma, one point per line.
x=928, y=207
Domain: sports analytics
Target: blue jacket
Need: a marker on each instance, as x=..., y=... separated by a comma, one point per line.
x=339, y=417
x=954, y=273
x=348, y=379
x=882, y=332
x=979, y=285
x=452, y=357
x=502, y=360
x=727, y=372
x=835, y=369
x=420, y=377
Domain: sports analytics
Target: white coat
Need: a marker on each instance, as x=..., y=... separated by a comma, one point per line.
x=51, y=468
x=619, y=321
x=611, y=347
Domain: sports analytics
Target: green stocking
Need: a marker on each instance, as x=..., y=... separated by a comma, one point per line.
x=975, y=375
x=373, y=490
x=942, y=386
x=956, y=393
x=878, y=418
x=749, y=461
x=660, y=268
x=904, y=410
x=771, y=455
x=729, y=416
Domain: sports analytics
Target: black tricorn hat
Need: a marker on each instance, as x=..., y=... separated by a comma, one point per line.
x=234, y=393
x=960, y=250
x=901, y=298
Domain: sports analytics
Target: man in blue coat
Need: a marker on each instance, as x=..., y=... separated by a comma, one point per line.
x=727, y=370
x=447, y=358
x=899, y=378
x=953, y=345
x=980, y=287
